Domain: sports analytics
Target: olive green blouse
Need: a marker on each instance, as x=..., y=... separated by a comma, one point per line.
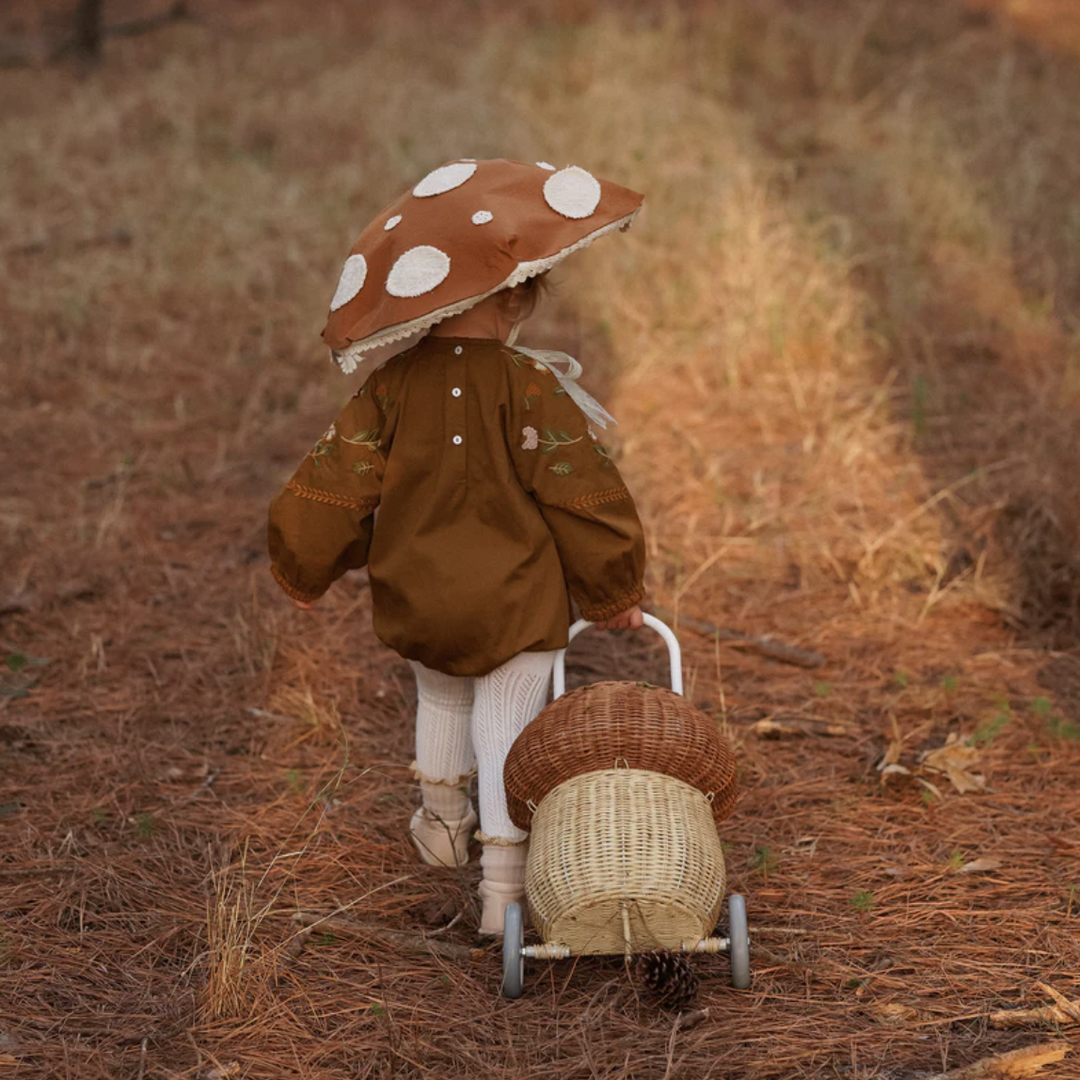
x=495, y=498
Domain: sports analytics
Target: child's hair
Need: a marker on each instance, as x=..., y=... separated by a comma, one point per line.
x=521, y=300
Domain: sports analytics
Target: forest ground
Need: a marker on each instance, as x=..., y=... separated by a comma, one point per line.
x=843, y=344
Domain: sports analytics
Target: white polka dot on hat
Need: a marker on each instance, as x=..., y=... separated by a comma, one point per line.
x=418, y=271
x=353, y=276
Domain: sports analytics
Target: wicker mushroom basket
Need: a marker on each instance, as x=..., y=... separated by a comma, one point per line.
x=622, y=786
x=635, y=725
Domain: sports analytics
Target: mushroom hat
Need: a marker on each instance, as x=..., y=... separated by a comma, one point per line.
x=465, y=231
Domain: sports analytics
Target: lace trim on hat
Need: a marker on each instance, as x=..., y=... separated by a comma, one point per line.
x=349, y=357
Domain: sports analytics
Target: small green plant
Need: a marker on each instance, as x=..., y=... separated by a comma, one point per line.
x=144, y=825
x=295, y=780
x=822, y=689
x=989, y=730
x=325, y=940
x=901, y=679
x=377, y=1008
x=1056, y=725
x=950, y=683
x=957, y=860
x=863, y=901
x=1063, y=729
x=99, y=815
x=764, y=859
x=19, y=679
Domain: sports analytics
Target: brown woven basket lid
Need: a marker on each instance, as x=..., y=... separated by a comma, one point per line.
x=608, y=723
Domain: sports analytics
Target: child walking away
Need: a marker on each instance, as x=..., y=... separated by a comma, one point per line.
x=496, y=498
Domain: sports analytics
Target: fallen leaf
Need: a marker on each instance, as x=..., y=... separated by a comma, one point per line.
x=888, y=770
x=979, y=866
x=893, y=1012
x=221, y=1072
x=965, y=781
x=954, y=760
x=935, y=791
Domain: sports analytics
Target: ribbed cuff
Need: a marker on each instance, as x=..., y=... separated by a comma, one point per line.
x=291, y=591
x=615, y=607
x=497, y=841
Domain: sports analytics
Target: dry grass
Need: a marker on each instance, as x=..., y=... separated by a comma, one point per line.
x=843, y=344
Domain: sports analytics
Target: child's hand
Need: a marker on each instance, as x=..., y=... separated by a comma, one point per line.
x=631, y=619
x=303, y=605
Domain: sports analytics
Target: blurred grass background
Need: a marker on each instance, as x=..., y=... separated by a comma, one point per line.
x=860, y=244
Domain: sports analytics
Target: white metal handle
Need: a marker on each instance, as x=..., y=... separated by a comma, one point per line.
x=665, y=631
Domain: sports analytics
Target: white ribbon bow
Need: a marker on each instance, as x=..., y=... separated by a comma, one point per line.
x=567, y=370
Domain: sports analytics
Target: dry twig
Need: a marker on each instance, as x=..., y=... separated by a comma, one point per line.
x=401, y=940
x=1014, y=1063
x=778, y=726
x=774, y=650
x=1062, y=1013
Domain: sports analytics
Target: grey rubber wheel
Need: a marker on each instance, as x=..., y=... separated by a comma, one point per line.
x=513, y=981
x=738, y=942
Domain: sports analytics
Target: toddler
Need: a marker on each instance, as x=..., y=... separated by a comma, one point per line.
x=497, y=502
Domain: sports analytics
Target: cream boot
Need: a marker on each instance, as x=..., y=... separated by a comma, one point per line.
x=441, y=842
x=503, y=883
x=442, y=828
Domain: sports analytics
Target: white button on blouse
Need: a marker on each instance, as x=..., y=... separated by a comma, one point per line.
x=456, y=391
x=457, y=440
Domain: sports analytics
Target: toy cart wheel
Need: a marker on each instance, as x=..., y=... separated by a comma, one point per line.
x=513, y=959
x=738, y=942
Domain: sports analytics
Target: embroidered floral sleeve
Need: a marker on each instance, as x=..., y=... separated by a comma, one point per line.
x=321, y=521
x=563, y=464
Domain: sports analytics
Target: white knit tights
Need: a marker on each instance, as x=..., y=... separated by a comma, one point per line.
x=459, y=720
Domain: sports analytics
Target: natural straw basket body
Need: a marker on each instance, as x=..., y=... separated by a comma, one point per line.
x=624, y=860
x=633, y=724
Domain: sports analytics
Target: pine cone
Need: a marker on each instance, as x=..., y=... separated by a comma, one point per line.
x=669, y=976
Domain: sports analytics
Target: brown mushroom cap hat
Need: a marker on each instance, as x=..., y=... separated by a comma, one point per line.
x=467, y=230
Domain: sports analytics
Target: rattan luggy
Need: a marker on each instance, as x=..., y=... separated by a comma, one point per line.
x=624, y=857
x=624, y=860
x=635, y=725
